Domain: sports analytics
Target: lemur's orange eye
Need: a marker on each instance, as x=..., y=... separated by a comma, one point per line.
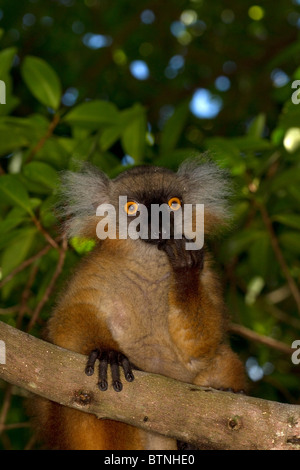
x=131, y=207
x=174, y=203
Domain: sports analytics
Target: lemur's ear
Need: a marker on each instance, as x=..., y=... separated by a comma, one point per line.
x=80, y=195
x=206, y=183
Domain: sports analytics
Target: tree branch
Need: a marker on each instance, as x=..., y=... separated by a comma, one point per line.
x=262, y=339
x=279, y=255
x=204, y=416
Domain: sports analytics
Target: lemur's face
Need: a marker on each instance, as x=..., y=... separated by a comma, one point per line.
x=180, y=195
x=153, y=196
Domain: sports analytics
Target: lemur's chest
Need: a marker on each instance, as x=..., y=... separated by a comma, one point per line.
x=138, y=319
x=137, y=309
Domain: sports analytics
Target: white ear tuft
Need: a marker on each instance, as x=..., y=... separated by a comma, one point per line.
x=80, y=195
x=207, y=184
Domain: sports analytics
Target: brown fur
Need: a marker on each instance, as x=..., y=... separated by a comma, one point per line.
x=126, y=296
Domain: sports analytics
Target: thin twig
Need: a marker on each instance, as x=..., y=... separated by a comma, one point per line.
x=51, y=285
x=278, y=295
x=281, y=315
x=30, y=444
x=42, y=141
x=278, y=253
x=8, y=427
x=9, y=310
x=25, y=264
x=258, y=338
x=47, y=236
x=5, y=406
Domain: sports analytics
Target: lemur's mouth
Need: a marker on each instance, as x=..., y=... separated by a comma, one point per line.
x=159, y=236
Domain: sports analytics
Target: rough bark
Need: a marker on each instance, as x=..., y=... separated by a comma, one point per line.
x=209, y=418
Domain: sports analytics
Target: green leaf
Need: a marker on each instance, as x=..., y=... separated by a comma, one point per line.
x=285, y=179
x=175, y=158
x=105, y=161
x=294, y=192
x=290, y=116
x=18, y=250
x=8, y=237
x=82, y=245
x=47, y=216
x=109, y=136
x=256, y=127
x=18, y=132
x=290, y=220
x=92, y=114
x=223, y=149
x=42, y=81
x=251, y=144
x=173, y=128
x=134, y=134
x=68, y=145
x=6, y=60
x=241, y=242
x=254, y=288
x=261, y=250
x=290, y=241
x=11, y=103
x=41, y=173
x=14, y=192
x=11, y=140
x=53, y=153
x=14, y=218
x=285, y=55
x=36, y=125
x=82, y=150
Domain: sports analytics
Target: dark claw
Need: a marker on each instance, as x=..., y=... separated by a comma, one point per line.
x=115, y=359
x=102, y=382
x=103, y=385
x=115, y=372
x=123, y=361
x=242, y=392
x=90, y=366
x=117, y=385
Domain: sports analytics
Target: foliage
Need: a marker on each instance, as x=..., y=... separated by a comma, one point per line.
x=67, y=100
